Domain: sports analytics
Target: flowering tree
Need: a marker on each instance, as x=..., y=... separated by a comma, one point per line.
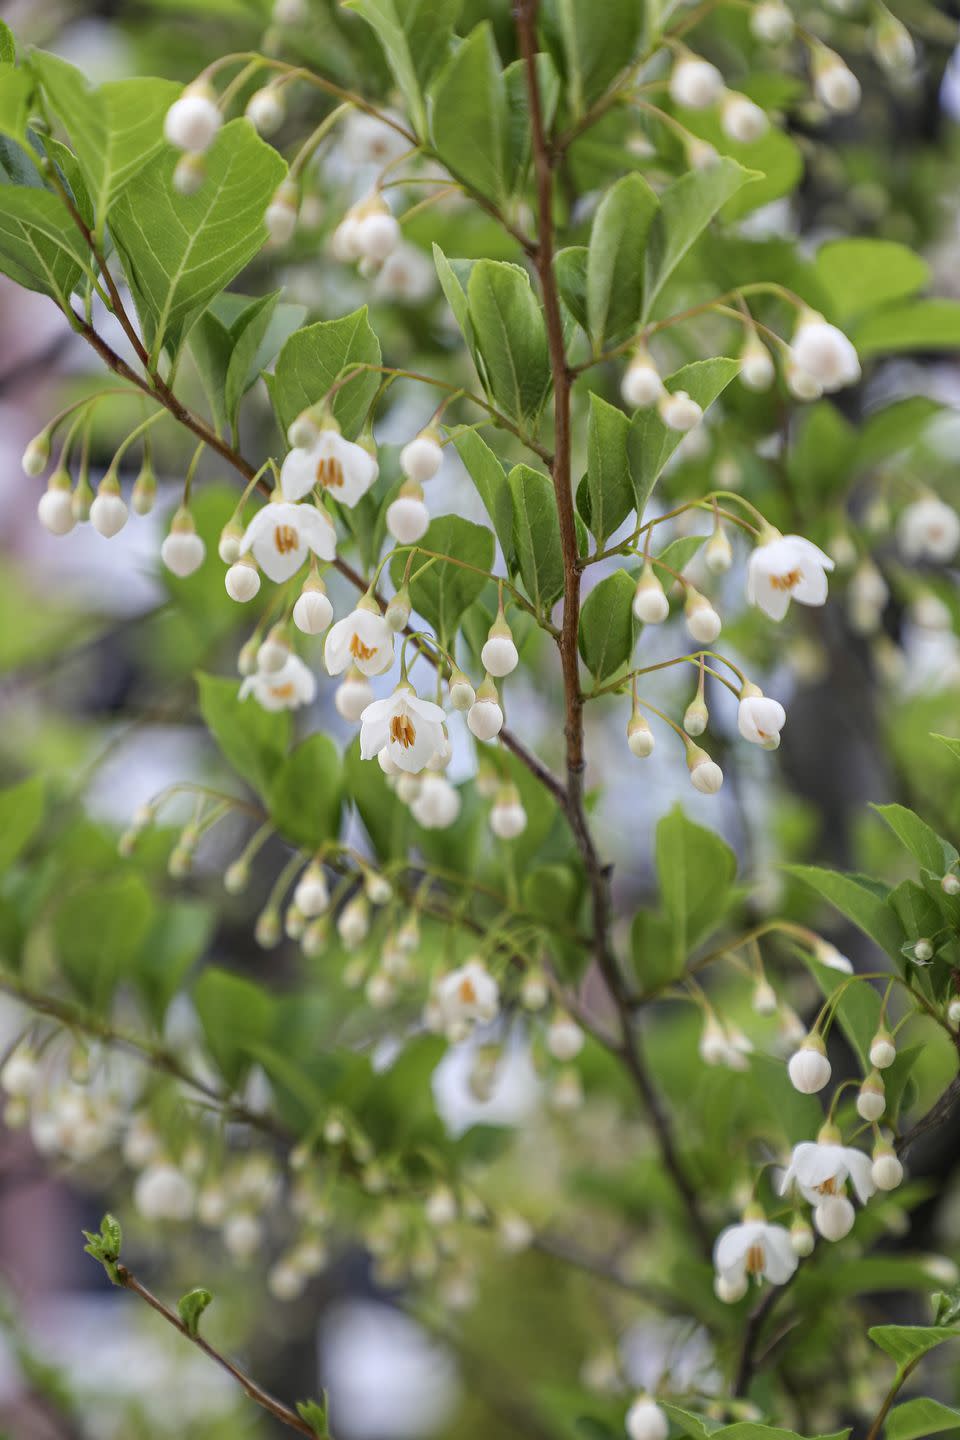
x=628, y=372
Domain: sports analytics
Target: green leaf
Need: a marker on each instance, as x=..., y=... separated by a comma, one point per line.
x=923, y=843
x=256, y=336
x=952, y=744
x=98, y=932
x=919, y=325
x=510, y=334
x=115, y=130
x=608, y=629
x=696, y=870
x=16, y=91
x=917, y=1418
x=856, y=899
x=191, y=1306
x=317, y=356
x=536, y=535
x=177, y=939
x=415, y=37
x=651, y=443
x=469, y=122
x=861, y=274
x=315, y=1415
x=305, y=793
x=21, y=813
x=907, y=1343
x=615, y=259
x=490, y=478
x=8, y=46
x=686, y=209
x=857, y=1009
x=609, y=484
x=445, y=591
x=104, y=1245
x=520, y=136
x=593, y=49
x=453, y=276
x=385, y=818
x=40, y=245
x=254, y=740
x=656, y=960
x=570, y=266
x=179, y=251
x=235, y=1015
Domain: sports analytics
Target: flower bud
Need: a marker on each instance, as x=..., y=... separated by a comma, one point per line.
x=834, y=83
x=281, y=214
x=696, y=717
x=564, y=1037
x=809, y=1069
x=398, y=610
x=408, y=518
x=189, y=174
x=266, y=109
x=311, y=894
x=883, y=1051
x=950, y=884
x=192, y=122
x=718, y=552
x=485, y=716
x=236, y=877
x=772, y=22
x=82, y=500
x=650, y=603
x=695, y=83
x=274, y=653
x=757, y=370
x=834, y=1217
x=923, y=952
x=353, y=695
x=461, y=692
x=228, y=546
x=508, y=819
x=534, y=991
x=886, y=1170
x=953, y=1013
x=640, y=737
x=499, y=654
x=646, y=1421
x=312, y=612
x=764, y=998
x=679, y=411
x=267, y=930
x=421, y=458
x=742, y=120
x=36, y=457
x=144, y=491
x=242, y=580
x=801, y=1238
x=871, y=1097
x=705, y=774
x=183, y=551
x=641, y=385
x=55, y=507
x=703, y=622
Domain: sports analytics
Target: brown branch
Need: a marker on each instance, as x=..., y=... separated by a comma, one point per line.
x=598, y=874
x=939, y=1112
x=255, y=1392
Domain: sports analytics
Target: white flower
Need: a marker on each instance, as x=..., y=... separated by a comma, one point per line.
x=408, y=728
x=461, y=692
x=311, y=896
x=499, y=654
x=646, y=1421
x=162, y=1192
x=830, y=956
x=353, y=922
x=408, y=518
x=36, y=457
x=20, y=1073
x=742, y=120
x=406, y=275
x=508, y=819
x=886, y=1171
x=183, y=550
x=835, y=84
x=784, y=569
x=312, y=612
x=929, y=529
x=437, y=805
x=362, y=639
x=641, y=385
x=280, y=216
x=703, y=622
x=242, y=581
x=564, y=1038
x=801, y=1238
x=108, y=513
x=353, y=695
x=282, y=535
x=288, y=688
x=757, y=370
x=771, y=22
x=440, y=1206
x=822, y=1168
x=695, y=83
x=650, y=603
x=421, y=457
x=465, y=997
x=760, y=719
x=809, y=1068
x=640, y=737
x=266, y=110
x=679, y=411
x=55, y=506
x=824, y=353
x=883, y=1051
x=834, y=1217
x=871, y=1098
x=705, y=774
x=754, y=1248
x=485, y=716
x=242, y=1234
x=192, y=122
x=340, y=467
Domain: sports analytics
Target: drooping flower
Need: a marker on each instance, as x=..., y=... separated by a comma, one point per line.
x=408, y=728
x=465, y=997
x=754, y=1249
x=650, y=603
x=822, y=1167
x=695, y=83
x=192, y=122
x=437, y=805
x=760, y=719
x=313, y=612
x=341, y=468
x=742, y=119
x=282, y=535
x=834, y=82
x=785, y=568
x=242, y=580
x=929, y=529
x=421, y=457
x=362, y=639
x=183, y=549
x=293, y=685
x=809, y=1068
x=824, y=353
x=646, y=1421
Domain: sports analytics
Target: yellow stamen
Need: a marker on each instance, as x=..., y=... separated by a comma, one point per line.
x=402, y=731
x=286, y=538
x=358, y=650
x=788, y=581
x=330, y=473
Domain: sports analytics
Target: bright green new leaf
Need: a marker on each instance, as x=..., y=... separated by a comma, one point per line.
x=536, y=535
x=858, y=901
x=915, y=1419
x=608, y=629
x=490, y=478
x=907, y=1343
x=21, y=813
x=862, y=274
x=445, y=590
x=615, y=259
x=696, y=870
x=115, y=130
x=923, y=842
x=916, y=325
x=191, y=1306
x=16, y=90
x=8, y=46
x=651, y=443
x=252, y=739
x=609, y=484
x=469, y=122
x=511, y=336
x=686, y=209
x=305, y=792
x=179, y=251
x=314, y=358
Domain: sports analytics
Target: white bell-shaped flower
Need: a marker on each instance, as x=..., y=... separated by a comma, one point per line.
x=192, y=122
x=242, y=580
x=785, y=568
x=421, y=457
x=408, y=728
x=823, y=1167
x=362, y=639
x=312, y=611
x=823, y=352
x=695, y=83
x=293, y=685
x=408, y=518
x=341, y=468
x=353, y=695
x=929, y=529
x=742, y=120
x=282, y=535
x=183, y=551
x=437, y=804
x=809, y=1069
x=755, y=1250
x=759, y=718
